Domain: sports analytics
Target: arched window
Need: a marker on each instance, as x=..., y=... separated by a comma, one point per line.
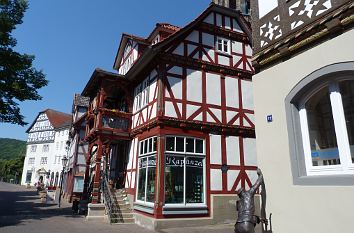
x=320, y=112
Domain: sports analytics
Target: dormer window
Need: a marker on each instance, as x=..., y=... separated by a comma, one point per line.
x=156, y=40
x=223, y=45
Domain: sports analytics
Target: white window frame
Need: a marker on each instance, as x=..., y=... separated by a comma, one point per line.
x=186, y=154
x=150, y=153
x=346, y=166
x=223, y=42
x=141, y=94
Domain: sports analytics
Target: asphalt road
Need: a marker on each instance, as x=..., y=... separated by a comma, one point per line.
x=22, y=211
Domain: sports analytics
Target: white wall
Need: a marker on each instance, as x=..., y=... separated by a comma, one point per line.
x=296, y=208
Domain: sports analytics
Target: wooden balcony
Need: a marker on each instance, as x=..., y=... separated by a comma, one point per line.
x=109, y=123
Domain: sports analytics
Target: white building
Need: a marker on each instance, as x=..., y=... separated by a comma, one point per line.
x=304, y=112
x=46, y=146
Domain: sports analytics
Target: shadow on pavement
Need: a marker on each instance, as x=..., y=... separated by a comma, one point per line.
x=19, y=204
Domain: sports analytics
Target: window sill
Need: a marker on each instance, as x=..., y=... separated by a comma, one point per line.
x=325, y=180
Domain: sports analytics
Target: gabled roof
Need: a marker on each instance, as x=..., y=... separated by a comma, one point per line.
x=165, y=27
x=56, y=118
x=123, y=42
x=151, y=51
x=97, y=76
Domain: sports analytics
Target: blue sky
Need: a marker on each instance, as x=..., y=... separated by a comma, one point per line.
x=71, y=38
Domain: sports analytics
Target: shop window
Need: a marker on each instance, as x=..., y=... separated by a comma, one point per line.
x=320, y=112
x=147, y=171
x=184, y=171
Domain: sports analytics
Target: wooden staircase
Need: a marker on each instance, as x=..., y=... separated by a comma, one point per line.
x=121, y=212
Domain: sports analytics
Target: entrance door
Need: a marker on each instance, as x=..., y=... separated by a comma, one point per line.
x=118, y=163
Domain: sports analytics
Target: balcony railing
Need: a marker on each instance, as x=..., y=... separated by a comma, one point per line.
x=113, y=122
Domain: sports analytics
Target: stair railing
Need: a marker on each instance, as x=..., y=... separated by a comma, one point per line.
x=110, y=201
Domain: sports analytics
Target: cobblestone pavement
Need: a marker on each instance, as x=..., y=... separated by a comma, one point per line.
x=22, y=211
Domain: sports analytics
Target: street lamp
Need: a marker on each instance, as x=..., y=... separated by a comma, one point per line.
x=64, y=161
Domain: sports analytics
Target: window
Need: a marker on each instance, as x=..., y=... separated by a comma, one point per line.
x=245, y=6
x=57, y=145
x=45, y=148
x=142, y=95
x=223, y=45
x=147, y=171
x=320, y=116
x=33, y=148
x=31, y=161
x=43, y=160
x=327, y=130
x=184, y=171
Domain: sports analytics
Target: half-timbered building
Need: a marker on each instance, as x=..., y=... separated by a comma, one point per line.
x=174, y=127
x=77, y=151
x=46, y=146
x=304, y=98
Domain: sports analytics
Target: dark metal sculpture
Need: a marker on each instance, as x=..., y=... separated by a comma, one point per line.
x=247, y=219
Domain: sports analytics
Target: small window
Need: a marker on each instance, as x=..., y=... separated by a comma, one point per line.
x=43, y=160
x=45, y=148
x=31, y=161
x=33, y=148
x=223, y=45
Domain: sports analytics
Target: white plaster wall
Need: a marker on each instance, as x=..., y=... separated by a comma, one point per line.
x=215, y=180
x=215, y=149
x=223, y=60
x=231, y=89
x=194, y=37
x=194, y=83
x=176, y=86
x=250, y=152
x=296, y=208
x=247, y=94
x=233, y=150
x=170, y=109
x=209, y=19
x=213, y=89
x=208, y=39
x=179, y=50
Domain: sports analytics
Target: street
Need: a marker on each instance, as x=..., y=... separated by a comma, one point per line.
x=22, y=211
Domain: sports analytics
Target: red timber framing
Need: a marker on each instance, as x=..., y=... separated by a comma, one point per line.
x=108, y=120
x=195, y=90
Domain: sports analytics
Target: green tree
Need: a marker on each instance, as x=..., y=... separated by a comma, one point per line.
x=19, y=81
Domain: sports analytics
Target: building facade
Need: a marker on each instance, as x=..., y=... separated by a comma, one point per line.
x=77, y=150
x=174, y=127
x=303, y=90
x=46, y=146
